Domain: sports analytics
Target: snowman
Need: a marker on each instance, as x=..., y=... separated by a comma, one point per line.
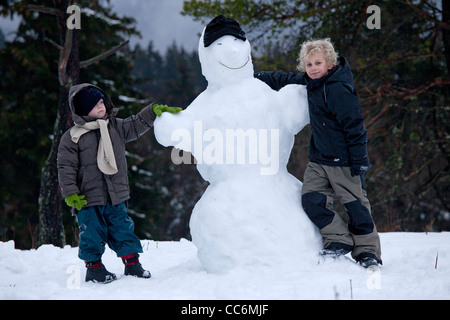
x=241, y=133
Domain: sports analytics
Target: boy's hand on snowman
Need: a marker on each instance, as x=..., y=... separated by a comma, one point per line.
x=74, y=200
x=158, y=109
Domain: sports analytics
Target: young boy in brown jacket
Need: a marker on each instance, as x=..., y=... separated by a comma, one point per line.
x=92, y=173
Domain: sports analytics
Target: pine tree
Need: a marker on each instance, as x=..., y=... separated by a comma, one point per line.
x=49, y=57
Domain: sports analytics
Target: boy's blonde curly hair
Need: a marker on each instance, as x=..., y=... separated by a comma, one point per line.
x=311, y=47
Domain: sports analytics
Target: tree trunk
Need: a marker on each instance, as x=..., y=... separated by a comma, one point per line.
x=51, y=229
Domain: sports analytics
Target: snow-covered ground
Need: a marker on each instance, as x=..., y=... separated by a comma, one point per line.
x=409, y=272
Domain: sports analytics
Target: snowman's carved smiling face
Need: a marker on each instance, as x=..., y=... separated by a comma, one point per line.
x=230, y=52
x=226, y=61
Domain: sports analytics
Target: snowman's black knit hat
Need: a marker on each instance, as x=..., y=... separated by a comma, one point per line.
x=221, y=26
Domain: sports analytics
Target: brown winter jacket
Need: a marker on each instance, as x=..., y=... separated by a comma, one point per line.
x=78, y=171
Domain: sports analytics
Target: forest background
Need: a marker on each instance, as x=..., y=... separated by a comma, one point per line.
x=401, y=72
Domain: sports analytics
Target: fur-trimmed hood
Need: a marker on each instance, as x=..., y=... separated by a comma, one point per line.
x=81, y=120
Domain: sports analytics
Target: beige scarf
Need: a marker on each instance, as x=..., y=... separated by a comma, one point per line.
x=105, y=156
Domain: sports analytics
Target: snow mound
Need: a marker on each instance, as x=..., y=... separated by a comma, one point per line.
x=410, y=272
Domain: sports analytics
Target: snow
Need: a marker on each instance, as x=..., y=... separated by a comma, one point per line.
x=56, y=273
x=90, y=12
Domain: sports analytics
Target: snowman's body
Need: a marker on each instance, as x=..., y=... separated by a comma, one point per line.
x=242, y=132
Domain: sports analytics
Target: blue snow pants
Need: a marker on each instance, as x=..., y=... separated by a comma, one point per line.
x=108, y=224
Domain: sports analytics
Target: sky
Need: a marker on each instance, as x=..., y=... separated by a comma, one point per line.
x=159, y=21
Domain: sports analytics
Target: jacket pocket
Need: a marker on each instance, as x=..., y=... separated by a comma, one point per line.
x=91, y=181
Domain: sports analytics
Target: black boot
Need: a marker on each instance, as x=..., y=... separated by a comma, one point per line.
x=336, y=249
x=369, y=261
x=97, y=273
x=134, y=268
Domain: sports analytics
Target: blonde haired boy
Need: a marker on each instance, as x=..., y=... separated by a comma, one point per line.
x=338, y=157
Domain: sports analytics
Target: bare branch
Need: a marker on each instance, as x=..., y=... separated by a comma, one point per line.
x=87, y=63
x=421, y=89
x=427, y=16
x=53, y=43
x=43, y=9
x=405, y=94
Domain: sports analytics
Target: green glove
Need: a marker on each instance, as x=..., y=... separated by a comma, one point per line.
x=158, y=109
x=74, y=200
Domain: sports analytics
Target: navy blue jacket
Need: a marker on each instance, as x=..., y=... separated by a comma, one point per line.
x=338, y=136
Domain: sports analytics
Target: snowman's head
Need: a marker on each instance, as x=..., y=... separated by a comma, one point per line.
x=224, y=52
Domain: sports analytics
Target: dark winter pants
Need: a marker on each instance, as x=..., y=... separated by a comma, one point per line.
x=324, y=183
x=100, y=225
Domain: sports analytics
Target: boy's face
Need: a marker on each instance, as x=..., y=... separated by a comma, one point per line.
x=98, y=111
x=316, y=66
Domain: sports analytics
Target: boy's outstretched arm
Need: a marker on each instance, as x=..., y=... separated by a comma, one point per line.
x=135, y=126
x=277, y=80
